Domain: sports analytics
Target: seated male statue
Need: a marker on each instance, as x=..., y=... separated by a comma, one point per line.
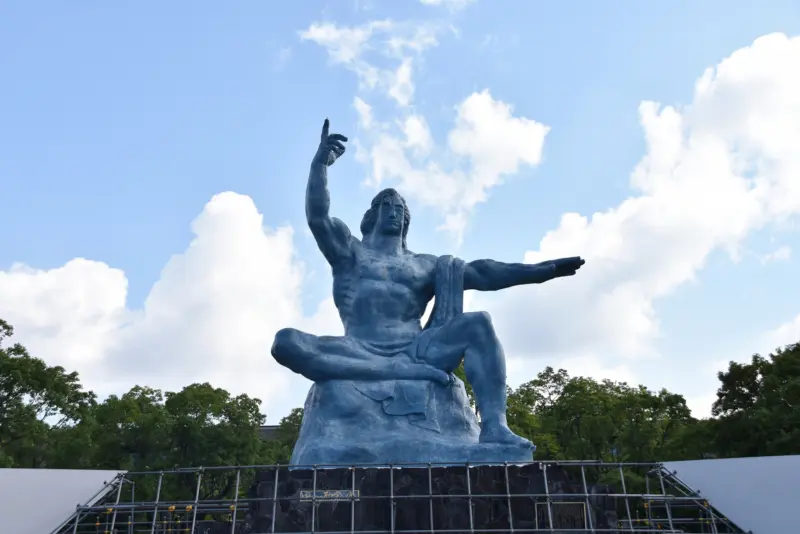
x=381, y=290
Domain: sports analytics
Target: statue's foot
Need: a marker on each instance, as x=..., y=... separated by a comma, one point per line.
x=500, y=433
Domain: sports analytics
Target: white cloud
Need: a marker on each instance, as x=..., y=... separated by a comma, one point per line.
x=417, y=135
x=211, y=316
x=700, y=405
x=714, y=172
x=486, y=143
x=358, y=49
x=401, y=87
x=452, y=4
x=344, y=45
x=69, y=313
x=364, y=110
x=783, y=253
x=786, y=334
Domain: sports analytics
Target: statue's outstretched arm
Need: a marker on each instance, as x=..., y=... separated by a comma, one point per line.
x=490, y=275
x=332, y=235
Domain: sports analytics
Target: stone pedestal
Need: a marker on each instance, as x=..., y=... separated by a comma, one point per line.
x=455, y=499
x=349, y=422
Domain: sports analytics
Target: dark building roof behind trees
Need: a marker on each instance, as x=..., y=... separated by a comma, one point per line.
x=268, y=432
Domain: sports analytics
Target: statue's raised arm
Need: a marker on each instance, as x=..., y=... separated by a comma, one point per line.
x=332, y=235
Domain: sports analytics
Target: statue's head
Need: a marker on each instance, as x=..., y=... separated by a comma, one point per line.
x=388, y=215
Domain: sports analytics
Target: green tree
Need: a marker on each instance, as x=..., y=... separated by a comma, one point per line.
x=279, y=450
x=36, y=401
x=131, y=432
x=581, y=418
x=211, y=427
x=147, y=430
x=758, y=405
x=528, y=411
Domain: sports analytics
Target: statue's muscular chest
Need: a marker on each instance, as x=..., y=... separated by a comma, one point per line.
x=405, y=270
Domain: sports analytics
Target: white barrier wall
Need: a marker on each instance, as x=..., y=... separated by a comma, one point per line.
x=758, y=494
x=36, y=501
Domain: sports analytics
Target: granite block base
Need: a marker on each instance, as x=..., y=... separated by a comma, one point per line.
x=453, y=499
x=349, y=422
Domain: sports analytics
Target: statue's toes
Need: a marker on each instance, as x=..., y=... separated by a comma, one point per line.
x=514, y=439
x=503, y=435
x=522, y=442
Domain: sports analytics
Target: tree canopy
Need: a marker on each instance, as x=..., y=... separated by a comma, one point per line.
x=757, y=409
x=47, y=419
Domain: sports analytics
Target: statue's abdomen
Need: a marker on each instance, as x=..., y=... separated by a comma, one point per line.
x=371, y=306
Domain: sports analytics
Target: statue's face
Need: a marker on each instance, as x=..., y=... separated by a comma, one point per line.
x=390, y=216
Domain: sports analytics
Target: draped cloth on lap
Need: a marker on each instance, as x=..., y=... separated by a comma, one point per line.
x=413, y=398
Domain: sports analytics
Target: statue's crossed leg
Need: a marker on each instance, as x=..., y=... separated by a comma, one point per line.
x=320, y=358
x=436, y=353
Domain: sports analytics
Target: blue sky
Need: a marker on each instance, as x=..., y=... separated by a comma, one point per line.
x=120, y=122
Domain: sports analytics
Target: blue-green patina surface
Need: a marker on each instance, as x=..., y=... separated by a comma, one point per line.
x=385, y=391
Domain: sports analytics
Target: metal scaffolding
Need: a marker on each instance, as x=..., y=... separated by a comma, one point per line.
x=560, y=497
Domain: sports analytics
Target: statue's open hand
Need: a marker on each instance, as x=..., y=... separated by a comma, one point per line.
x=565, y=266
x=331, y=146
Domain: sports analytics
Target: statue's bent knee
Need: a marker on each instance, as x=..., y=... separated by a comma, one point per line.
x=480, y=318
x=479, y=323
x=285, y=346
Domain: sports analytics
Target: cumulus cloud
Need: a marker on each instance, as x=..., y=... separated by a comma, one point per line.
x=452, y=4
x=69, y=314
x=359, y=48
x=783, y=253
x=786, y=334
x=486, y=143
x=713, y=173
x=211, y=316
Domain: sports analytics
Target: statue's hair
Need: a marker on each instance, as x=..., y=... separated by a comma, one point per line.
x=371, y=215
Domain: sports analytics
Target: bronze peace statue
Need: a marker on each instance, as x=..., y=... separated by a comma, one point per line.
x=385, y=391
